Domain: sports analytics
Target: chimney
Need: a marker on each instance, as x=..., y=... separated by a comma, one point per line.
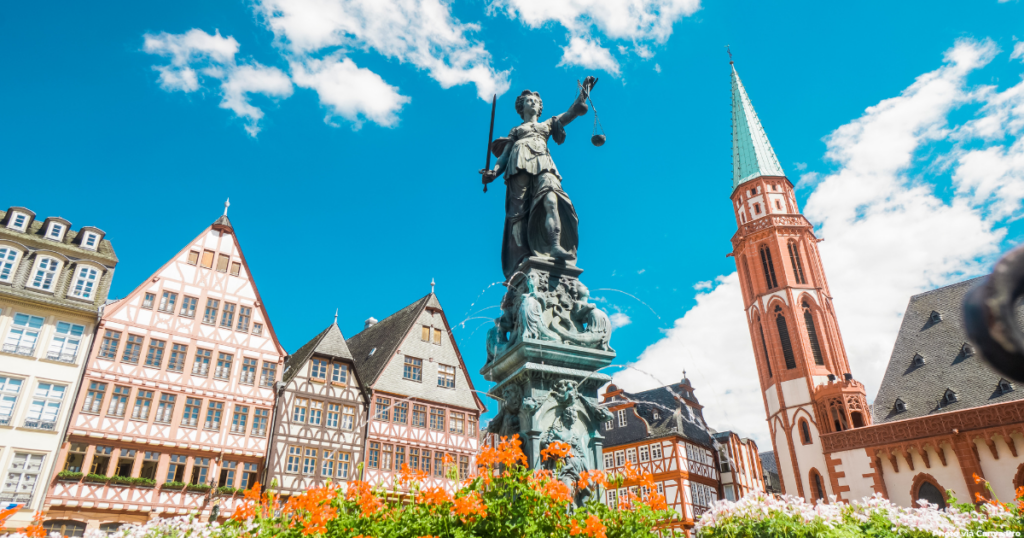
x=370, y=322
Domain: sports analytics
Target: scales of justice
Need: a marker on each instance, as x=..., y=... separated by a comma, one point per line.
x=546, y=347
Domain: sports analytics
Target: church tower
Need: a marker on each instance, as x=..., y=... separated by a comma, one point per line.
x=801, y=361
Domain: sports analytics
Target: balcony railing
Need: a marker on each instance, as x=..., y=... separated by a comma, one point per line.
x=62, y=357
x=19, y=350
x=37, y=424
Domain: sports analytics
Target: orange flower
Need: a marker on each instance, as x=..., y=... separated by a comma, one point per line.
x=978, y=479
x=311, y=510
x=254, y=505
x=592, y=527
x=434, y=496
x=361, y=492
x=657, y=501
x=506, y=453
x=35, y=530
x=556, y=450
x=470, y=506
x=598, y=478
x=408, y=475
x=449, y=459
x=556, y=491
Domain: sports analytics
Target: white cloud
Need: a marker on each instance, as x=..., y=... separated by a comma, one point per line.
x=800, y=166
x=809, y=179
x=703, y=285
x=619, y=319
x=590, y=54
x=196, y=53
x=888, y=235
x=1018, y=51
x=657, y=68
x=349, y=91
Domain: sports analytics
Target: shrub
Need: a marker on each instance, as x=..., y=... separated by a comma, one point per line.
x=143, y=482
x=69, y=475
x=120, y=480
x=173, y=484
x=228, y=490
x=93, y=477
x=199, y=487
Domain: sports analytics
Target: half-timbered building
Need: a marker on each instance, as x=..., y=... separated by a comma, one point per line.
x=53, y=283
x=740, y=466
x=177, y=395
x=320, y=417
x=423, y=409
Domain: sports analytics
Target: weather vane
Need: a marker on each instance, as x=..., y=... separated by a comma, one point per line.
x=730, y=54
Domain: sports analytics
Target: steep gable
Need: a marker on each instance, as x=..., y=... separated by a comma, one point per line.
x=329, y=343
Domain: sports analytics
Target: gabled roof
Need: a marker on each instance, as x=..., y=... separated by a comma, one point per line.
x=383, y=339
x=768, y=462
x=947, y=364
x=679, y=421
x=752, y=153
x=329, y=343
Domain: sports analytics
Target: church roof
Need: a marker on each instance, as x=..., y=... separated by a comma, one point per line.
x=752, y=153
x=329, y=343
x=373, y=348
x=930, y=357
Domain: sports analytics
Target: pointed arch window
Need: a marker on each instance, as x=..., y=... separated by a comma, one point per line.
x=746, y=274
x=812, y=334
x=764, y=347
x=769, y=267
x=805, y=432
x=787, y=346
x=817, y=486
x=794, y=258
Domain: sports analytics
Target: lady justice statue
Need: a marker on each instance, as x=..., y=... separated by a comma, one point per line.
x=539, y=216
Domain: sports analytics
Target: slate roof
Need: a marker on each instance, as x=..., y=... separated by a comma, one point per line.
x=946, y=366
x=680, y=422
x=385, y=337
x=768, y=462
x=329, y=343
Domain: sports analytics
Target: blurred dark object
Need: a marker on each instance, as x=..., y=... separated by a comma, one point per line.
x=597, y=140
x=991, y=319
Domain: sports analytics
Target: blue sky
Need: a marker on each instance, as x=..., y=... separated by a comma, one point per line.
x=348, y=140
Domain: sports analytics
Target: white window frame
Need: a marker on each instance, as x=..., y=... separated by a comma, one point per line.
x=87, y=279
x=339, y=373
x=15, y=341
x=23, y=474
x=45, y=408
x=622, y=417
x=609, y=460
x=9, y=257
x=644, y=453
x=631, y=455
x=45, y=279
x=67, y=339
x=10, y=388
x=656, y=447
x=95, y=237
x=620, y=458
x=59, y=227
x=12, y=222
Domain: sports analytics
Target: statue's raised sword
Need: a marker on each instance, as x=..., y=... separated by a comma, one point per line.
x=490, y=138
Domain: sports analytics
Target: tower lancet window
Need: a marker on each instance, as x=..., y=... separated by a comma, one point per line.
x=794, y=258
x=764, y=347
x=812, y=335
x=746, y=275
x=769, y=267
x=787, y=346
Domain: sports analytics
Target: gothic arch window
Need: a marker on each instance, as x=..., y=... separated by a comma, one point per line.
x=757, y=209
x=746, y=274
x=787, y=345
x=764, y=347
x=925, y=487
x=1018, y=479
x=794, y=259
x=817, y=485
x=805, y=432
x=769, y=267
x=812, y=334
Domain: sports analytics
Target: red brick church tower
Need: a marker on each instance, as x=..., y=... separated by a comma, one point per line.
x=801, y=361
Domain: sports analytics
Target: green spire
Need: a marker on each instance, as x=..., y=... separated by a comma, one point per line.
x=752, y=154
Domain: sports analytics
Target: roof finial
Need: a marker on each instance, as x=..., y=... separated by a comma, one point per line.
x=730, y=54
x=431, y=286
x=335, y=316
x=227, y=204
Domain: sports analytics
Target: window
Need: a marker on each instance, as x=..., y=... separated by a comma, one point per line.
x=812, y=334
x=463, y=467
x=235, y=268
x=223, y=370
x=764, y=347
x=385, y=457
x=644, y=453
x=18, y=222
x=612, y=498
x=111, y=339
x=327, y=464
x=167, y=301
x=257, y=329
x=210, y=315
x=949, y=397
x=118, y=401
x=176, y=469
x=155, y=355
x=819, y=488
x=768, y=267
x=191, y=416
x=339, y=373
x=143, y=402
x=778, y=205
x=794, y=259
x=9, y=389
x=8, y=257
x=438, y=464
x=55, y=231
x=656, y=451
x=101, y=460
x=244, y=316
x=457, y=423
x=193, y=257
x=805, y=432
x=401, y=412
x=757, y=208
x=399, y=457
x=609, y=425
x=425, y=461
x=125, y=462
x=918, y=360
x=413, y=369
x=85, y=282
x=201, y=362
x=268, y=375
x=207, y=261
x=227, y=474
x=76, y=457
x=42, y=414
x=419, y=416
x=1004, y=386
x=248, y=371
x=22, y=476
x=248, y=475
x=64, y=346
x=132, y=349
x=239, y=419
x=165, y=410
x=348, y=417
x=935, y=317
x=316, y=412
x=425, y=334
x=222, y=263
x=437, y=419
x=932, y=494
x=373, y=455
x=147, y=301
x=899, y=406
x=631, y=455
x=188, y=307
x=300, y=409
x=259, y=422
x=446, y=376
x=24, y=334
x=93, y=397
x=383, y=409
x=227, y=318
x=200, y=467
x=609, y=460
x=967, y=349
x=213, y=415
x=344, y=460
x=333, y=411
x=620, y=458
x=318, y=369
x=177, y=362
x=621, y=413
x=787, y=346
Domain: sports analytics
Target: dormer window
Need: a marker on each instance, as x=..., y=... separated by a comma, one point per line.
x=55, y=231
x=44, y=277
x=1004, y=387
x=19, y=221
x=935, y=317
x=85, y=282
x=91, y=240
x=899, y=406
x=967, y=349
x=918, y=360
x=655, y=413
x=949, y=397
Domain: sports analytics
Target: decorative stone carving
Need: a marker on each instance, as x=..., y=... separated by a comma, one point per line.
x=507, y=423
